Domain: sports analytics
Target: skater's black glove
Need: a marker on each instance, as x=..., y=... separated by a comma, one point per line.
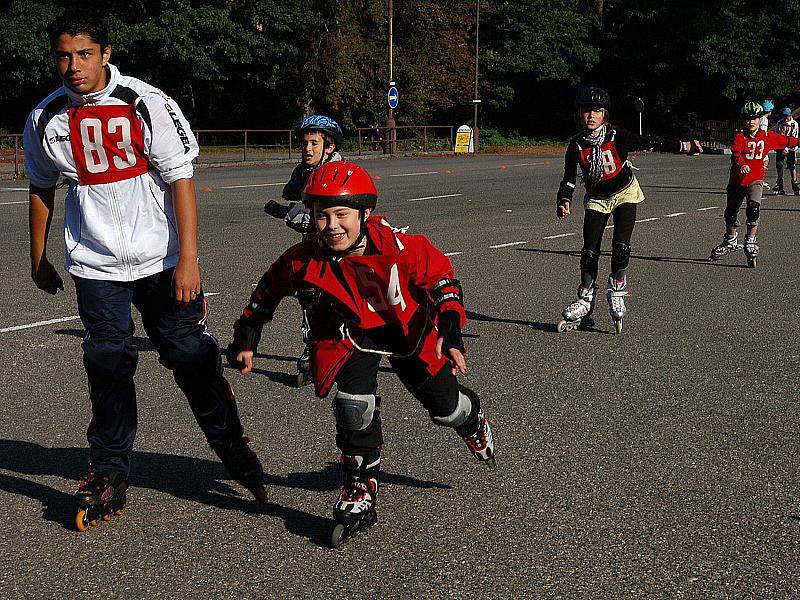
x=246, y=336
x=450, y=330
x=276, y=209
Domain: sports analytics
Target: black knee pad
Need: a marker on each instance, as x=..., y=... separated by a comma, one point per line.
x=355, y=412
x=620, y=256
x=753, y=210
x=589, y=260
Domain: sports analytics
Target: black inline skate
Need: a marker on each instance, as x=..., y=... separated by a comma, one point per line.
x=244, y=467
x=750, y=250
x=728, y=245
x=778, y=190
x=796, y=188
x=101, y=495
x=304, y=368
x=354, y=510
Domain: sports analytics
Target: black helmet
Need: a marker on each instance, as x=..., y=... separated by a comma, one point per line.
x=593, y=97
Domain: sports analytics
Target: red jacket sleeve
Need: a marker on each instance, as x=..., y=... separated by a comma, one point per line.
x=736, y=150
x=433, y=272
x=279, y=281
x=776, y=141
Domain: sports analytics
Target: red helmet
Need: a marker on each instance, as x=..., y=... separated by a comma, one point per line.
x=341, y=183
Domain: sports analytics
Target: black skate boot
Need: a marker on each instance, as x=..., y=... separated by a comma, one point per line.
x=750, y=250
x=729, y=244
x=481, y=441
x=778, y=189
x=796, y=188
x=354, y=510
x=244, y=467
x=100, y=496
x=304, y=368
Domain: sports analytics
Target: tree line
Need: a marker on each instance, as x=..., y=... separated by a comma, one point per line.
x=265, y=63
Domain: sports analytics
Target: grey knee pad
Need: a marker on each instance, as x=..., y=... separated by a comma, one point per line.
x=459, y=416
x=355, y=412
x=753, y=210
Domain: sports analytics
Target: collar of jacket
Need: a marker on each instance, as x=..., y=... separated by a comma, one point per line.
x=95, y=97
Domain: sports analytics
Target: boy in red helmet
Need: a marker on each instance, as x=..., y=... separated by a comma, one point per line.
x=381, y=292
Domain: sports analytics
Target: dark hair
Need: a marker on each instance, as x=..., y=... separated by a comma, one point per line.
x=80, y=23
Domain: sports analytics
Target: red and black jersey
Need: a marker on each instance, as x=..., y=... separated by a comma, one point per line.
x=616, y=174
x=751, y=150
x=388, y=299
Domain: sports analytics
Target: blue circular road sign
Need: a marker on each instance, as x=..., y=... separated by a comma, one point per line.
x=392, y=97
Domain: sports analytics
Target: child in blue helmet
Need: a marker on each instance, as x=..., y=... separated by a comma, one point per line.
x=321, y=140
x=787, y=157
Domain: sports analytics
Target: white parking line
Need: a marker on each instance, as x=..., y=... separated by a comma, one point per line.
x=15, y=202
x=434, y=197
x=609, y=227
x=675, y=215
x=38, y=324
x=507, y=245
x=412, y=174
x=13, y=189
x=251, y=185
x=452, y=253
x=647, y=220
x=560, y=235
x=708, y=208
x=526, y=164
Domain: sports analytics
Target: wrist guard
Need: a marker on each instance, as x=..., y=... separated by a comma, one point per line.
x=276, y=209
x=447, y=289
x=449, y=326
x=246, y=336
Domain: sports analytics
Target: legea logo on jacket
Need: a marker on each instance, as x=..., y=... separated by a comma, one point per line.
x=58, y=138
x=179, y=129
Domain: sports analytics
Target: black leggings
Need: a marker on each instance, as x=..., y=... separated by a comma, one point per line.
x=594, y=224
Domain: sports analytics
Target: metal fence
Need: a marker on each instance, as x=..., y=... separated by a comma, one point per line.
x=12, y=156
x=407, y=138
x=243, y=145
x=717, y=134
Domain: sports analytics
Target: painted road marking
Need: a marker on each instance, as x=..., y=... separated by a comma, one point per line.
x=647, y=220
x=251, y=185
x=527, y=164
x=452, y=253
x=39, y=324
x=609, y=227
x=675, y=215
x=412, y=174
x=560, y=235
x=434, y=197
x=708, y=208
x=508, y=244
x=13, y=189
x=16, y=202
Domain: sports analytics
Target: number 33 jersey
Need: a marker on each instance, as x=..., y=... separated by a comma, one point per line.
x=120, y=149
x=751, y=151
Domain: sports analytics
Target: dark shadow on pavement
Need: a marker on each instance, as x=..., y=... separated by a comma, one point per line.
x=547, y=327
x=672, y=259
x=782, y=209
x=684, y=188
x=194, y=479
x=143, y=344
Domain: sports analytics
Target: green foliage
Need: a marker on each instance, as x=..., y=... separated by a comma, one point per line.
x=264, y=63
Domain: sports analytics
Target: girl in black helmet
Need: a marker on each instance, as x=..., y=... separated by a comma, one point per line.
x=601, y=151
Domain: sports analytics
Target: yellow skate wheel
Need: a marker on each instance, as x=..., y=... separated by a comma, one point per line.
x=119, y=512
x=94, y=522
x=81, y=524
x=107, y=517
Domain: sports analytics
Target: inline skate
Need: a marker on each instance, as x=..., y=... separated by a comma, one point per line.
x=750, y=250
x=578, y=315
x=304, y=368
x=616, y=294
x=354, y=510
x=481, y=441
x=729, y=244
x=101, y=495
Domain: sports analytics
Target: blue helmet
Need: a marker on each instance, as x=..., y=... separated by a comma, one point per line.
x=786, y=111
x=768, y=106
x=324, y=124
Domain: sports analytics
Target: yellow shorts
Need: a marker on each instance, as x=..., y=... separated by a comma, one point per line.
x=632, y=194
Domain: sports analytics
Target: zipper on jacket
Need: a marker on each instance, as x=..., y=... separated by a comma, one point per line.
x=123, y=244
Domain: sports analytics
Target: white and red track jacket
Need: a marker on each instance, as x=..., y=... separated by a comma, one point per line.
x=120, y=149
x=789, y=129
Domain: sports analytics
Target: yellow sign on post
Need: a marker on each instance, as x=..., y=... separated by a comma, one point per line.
x=464, y=141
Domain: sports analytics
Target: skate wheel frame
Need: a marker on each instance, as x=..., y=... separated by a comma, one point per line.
x=344, y=533
x=81, y=522
x=618, y=326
